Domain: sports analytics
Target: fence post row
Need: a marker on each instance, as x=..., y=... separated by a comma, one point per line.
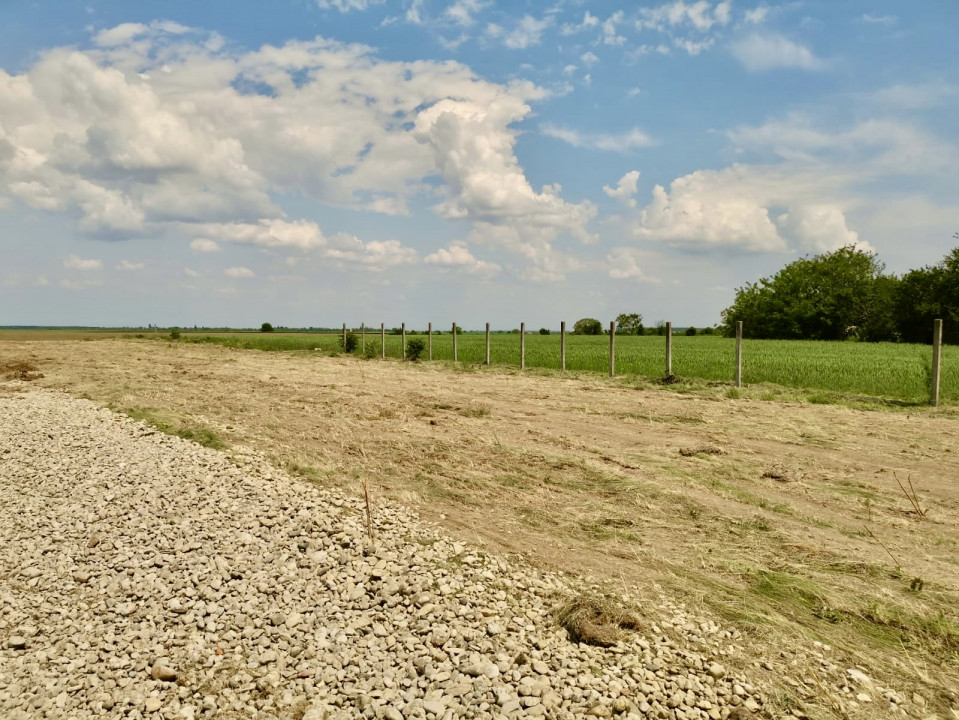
x=612, y=348
x=487, y=344
x=936, y=361
x=383, y=340
x=454, y=343
x=739, y=353
x=669, y=349
x=522, y=346
x=562, y=345
x=429, y=332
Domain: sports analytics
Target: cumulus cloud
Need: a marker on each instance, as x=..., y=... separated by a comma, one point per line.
x=462, y=11
x=72, y=262
x=459, y=257
x=589, y=21
x=625, y=189
x=631, y=140
x=623, y=264
x=887, y=20
x=204, y=245
x=239, y=272
x=757, y=15
x=758, y=53
x=191, y=273
x=528, y=31
x=161, y=128
x=345, y=6
x=130, y=266
x=701, y=15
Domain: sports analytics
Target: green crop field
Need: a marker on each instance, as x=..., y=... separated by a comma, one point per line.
x=881, y=370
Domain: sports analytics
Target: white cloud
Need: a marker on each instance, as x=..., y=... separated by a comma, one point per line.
x=631, y=140
x=918, y=96
x=525, y=33
x=127, y=265
x=160, y=129
x=701, y=15
x=610, y=35
x=758, y=53
x=72, y=262
x=625, y=189
x=589, y=21
x=887, y=20
x=588, y=59
x=693, y=47
x=756, y=16
x=459, y=257
x=191, y=273
x=819, y=228
x=204, y=245
x=79, y=284
x=239, y=272
x=633, y=92
x=345, y=6
x=623, y=264
x=462, y=11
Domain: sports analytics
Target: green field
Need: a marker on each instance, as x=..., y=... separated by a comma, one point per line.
x=880, y=370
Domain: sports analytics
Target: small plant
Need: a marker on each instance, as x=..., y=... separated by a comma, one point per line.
x=371, y=352
x=911, y=495
x=349, y=341
x=414, y=348
x=174, y=333
x=266, y=327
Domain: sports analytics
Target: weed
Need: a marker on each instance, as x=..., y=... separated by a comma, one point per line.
x=911, y=495
x=173, y=424
x=349, y=341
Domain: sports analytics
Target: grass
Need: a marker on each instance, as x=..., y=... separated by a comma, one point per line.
x=175, y=424
x=830, y=371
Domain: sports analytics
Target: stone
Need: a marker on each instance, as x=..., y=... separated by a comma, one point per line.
x=16, y=642
x=163, y=673
x=152, y=704
x=716, y=670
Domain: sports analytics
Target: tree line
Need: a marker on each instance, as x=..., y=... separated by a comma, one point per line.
x=846, y=294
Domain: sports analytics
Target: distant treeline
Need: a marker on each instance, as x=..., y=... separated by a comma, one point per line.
x=846, y=295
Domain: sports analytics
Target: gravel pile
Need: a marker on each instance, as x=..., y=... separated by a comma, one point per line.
x=143, y=576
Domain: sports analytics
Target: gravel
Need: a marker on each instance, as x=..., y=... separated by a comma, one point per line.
x=144, y=576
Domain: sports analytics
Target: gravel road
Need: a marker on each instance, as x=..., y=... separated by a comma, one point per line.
x=142, y=575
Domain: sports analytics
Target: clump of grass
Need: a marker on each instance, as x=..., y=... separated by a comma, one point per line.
x=594, y=620
x=175, y=425
x=20, y=370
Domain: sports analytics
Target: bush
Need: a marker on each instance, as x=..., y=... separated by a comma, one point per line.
x=266, y=327
x=544, y=331
x=414, y=348
x=174, y=333
x=349, y=342
x=690, y=331
x=372, y=351
x=588, y=326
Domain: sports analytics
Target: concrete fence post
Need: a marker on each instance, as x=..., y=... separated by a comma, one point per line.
x=404, y=340
x=522, y=346
x=363, y=338
x=669, y=349
x=612, y=348
x=383, y=340
x=344, y=337
x=562, y=345
x=429, y=332
x=739, y=353
x=455, y=356
x=936, y=361
x=487, y=344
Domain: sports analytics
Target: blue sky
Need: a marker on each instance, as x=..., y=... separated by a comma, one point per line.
x=312, y=162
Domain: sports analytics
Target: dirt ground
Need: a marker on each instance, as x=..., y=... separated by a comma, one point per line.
x=785, y=520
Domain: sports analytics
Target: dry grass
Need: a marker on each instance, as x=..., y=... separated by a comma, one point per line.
x=595, y=620
x=788, y=533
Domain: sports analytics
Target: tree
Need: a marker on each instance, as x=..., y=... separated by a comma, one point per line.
x=832, y=296
x=690, y=331
x=926, y=294
x=588, y=326
x=266, y=327
x=629, y=324
x=544, y=331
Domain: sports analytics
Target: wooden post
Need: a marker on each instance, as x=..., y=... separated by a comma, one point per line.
x=487, y=343
x=454, y=343
x=936, y=361
x=429, y=332
x=522, y=346
x=383, y=339
x=344, y=337
x=404, y=341
x=363, y=338
x=612, y=348
x=739, y=353
x=669, y=349
x=562, y=345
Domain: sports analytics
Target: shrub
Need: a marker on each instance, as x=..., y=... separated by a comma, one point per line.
x=690, y=331
x=414, y=348
x=174, y=333
x=588, y=326
x=349, y=341
x=266, y=327
x=372, y=351
x=544, y=331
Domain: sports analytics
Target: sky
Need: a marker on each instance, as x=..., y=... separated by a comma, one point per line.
x=315, y=162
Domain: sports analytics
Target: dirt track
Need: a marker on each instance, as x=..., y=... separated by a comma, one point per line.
x=694, y=491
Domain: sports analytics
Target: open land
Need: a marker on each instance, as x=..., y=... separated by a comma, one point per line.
x=794, y=523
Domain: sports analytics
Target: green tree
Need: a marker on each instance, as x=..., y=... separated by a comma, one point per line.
x=926, y=294
x=629, y=324
x=587, y=326
x=266, y=327
x=415, y=348
x=690, y=331
x=827, y=297
x=544, y=331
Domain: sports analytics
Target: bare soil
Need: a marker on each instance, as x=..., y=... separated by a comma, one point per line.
x=784, y=519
